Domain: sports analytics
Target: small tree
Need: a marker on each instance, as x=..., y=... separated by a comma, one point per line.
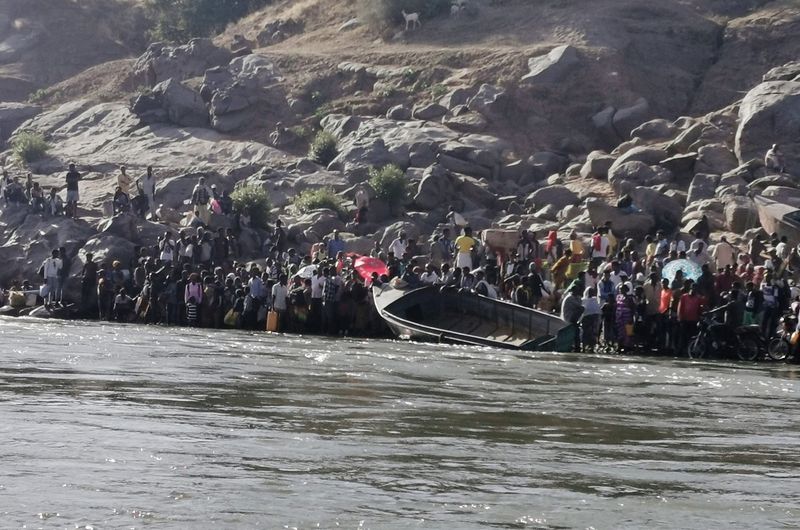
x=29, y=147
x=254, y=201
x=324, y=148
x=390, y=184
x=310, y=200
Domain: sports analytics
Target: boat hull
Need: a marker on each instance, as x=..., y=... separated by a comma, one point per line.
x=450, y=316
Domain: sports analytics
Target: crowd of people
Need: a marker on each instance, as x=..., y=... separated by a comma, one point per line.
x=621, y=293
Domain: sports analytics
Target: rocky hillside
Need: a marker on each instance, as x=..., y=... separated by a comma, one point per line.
x=521, y=114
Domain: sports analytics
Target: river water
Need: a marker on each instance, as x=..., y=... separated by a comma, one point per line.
x=148, y=427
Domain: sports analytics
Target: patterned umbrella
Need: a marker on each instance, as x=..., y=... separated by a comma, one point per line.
x=691, y=270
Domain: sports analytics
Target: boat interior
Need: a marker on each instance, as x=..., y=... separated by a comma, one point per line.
x=476, y=316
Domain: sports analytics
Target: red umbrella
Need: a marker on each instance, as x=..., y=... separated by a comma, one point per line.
x=366, y=266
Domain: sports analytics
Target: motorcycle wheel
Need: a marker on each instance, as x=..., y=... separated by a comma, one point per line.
x=749, y=349
x=698, y=347
x=778, y=349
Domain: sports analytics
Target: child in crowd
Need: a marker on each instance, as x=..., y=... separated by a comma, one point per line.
x=191, y=312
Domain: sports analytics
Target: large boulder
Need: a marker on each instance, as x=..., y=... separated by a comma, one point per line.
x=652, y=130
x=665, y=210
x=553, y=66
x=321, y=222
x=628, y=118
x=715, y=159
x=466, y=122
x=769, y=114
x=681, y=166
x=12, y=115
x=489, y=101
x=321, y=179
x=625, y=177
x=785, y=194
x=633, y=225
x=248, y=84
x=435, y=189
x=161, y=61
x=603, y=123
x=548, y=162
x=183, y=105
x=108, y=248
x=703, y=186
x=787, y=72
x=428, y=111
x=597, y=165
x=649, y=155
x=740, y=214
x=558, y=196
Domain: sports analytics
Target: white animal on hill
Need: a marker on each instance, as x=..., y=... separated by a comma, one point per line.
x=455, y=10
x=412, y=18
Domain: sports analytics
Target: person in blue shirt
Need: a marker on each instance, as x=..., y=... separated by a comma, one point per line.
x=335, y=245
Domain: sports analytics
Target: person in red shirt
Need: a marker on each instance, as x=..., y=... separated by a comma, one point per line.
x=690, y=308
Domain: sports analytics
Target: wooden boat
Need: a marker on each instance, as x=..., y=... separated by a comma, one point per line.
x=448, y=315
x=779, y=218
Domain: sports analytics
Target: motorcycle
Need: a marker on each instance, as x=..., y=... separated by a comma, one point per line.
x=780, y=346
x=715, y=339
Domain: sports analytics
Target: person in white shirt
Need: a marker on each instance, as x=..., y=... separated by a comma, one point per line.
x=724, y=254
x=483, y=287
x=51, y=271
x=429, y=277
x=280, y=292
x=166, y=248
x=399, y=245
x=774, y=159
x=148, y=184
x=782, y=248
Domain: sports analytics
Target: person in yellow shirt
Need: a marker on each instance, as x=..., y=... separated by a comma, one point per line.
x=613, y=245
x=124, y=181
x=649, y=250
x=558, y=271
x=464, y=245
x=576, y=247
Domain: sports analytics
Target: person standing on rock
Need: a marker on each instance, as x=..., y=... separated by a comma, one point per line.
x=124, y=181
x=88, y=283
x=201, y=196
x=73, y=177
x=774, y=159
x=51, y=272
x=148, y=185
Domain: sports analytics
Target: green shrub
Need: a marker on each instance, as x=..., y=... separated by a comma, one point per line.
x=37, y=96
x=438, y=91
x=29, y=147
x=380, y=14
x=390, y=184
x=323, y=149
x=181, y=20
x=309, y=200
x=255, y=202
